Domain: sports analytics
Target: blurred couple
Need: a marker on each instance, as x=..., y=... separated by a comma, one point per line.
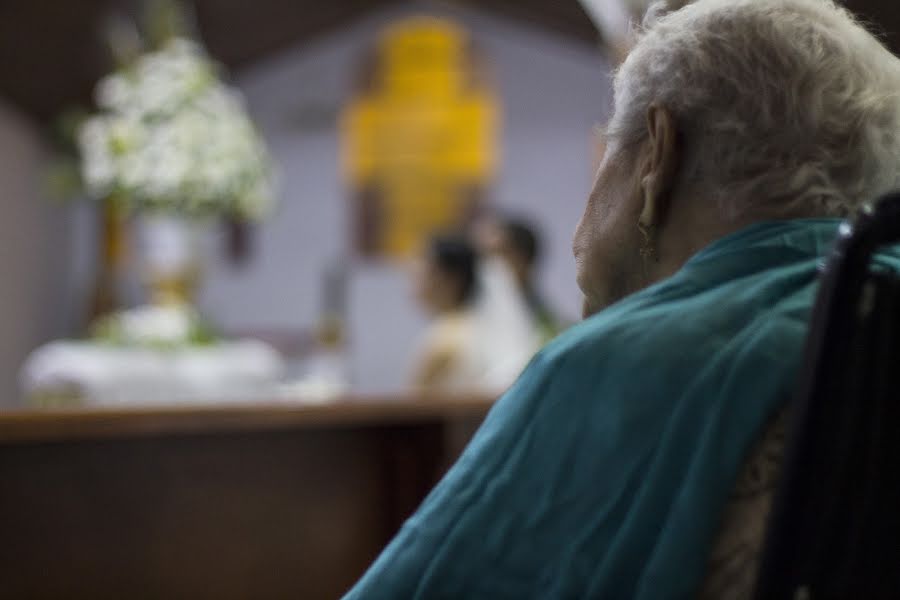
x=488, y=318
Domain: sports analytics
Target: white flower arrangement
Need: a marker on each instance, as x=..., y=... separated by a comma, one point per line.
x=170, y=136
x=154, y=326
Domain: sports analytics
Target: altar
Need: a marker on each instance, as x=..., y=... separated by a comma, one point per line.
x=284, y=499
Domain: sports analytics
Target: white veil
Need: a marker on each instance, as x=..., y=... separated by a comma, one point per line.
x=506, y=336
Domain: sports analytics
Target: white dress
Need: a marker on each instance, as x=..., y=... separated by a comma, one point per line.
x=488, y=343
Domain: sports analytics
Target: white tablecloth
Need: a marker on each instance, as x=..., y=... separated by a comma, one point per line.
x=89, y=373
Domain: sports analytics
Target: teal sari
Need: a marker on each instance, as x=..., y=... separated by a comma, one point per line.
x=603, y=472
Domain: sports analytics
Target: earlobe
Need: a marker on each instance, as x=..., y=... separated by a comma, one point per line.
x=648, y=192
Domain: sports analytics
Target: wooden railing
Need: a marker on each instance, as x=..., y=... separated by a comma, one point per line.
x=238, y=501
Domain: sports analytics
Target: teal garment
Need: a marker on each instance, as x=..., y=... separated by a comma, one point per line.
x=603, y=472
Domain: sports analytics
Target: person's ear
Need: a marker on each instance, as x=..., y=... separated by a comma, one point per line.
x=660, y=167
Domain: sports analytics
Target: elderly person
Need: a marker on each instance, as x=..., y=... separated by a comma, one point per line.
x=613, y=467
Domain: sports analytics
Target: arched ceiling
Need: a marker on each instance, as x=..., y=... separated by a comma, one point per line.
x=52, y=53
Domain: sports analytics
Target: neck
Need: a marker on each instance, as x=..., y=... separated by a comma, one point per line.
x=696, y=224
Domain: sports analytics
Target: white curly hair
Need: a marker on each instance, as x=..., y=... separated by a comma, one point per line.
x=784, y=107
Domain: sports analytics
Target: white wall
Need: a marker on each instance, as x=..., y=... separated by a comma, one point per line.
x=553, y=93
x=33, y=253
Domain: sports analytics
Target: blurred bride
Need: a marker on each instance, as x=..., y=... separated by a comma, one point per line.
x=481, y=334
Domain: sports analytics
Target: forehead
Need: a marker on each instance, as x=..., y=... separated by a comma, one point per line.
x=601, y=137
x=612, y=153
x=600, y=143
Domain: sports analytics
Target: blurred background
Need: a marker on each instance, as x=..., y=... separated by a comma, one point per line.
x=265, y=266
x=261, y=182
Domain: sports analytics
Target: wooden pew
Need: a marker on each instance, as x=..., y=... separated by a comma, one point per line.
x=256, y=501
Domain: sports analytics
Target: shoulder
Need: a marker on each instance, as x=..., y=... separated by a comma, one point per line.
x=672, y=332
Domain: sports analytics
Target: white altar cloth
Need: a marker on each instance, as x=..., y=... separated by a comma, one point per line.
x=98, y=374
